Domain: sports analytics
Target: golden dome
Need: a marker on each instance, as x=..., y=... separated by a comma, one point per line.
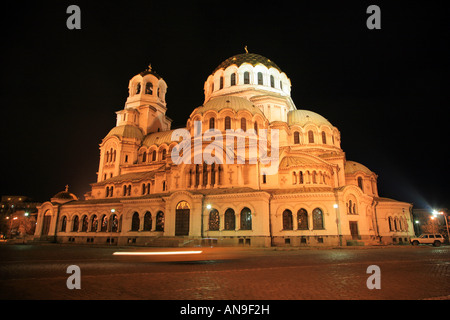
x=303, y=117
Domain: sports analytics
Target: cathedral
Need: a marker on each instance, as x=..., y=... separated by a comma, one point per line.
x=248, y=169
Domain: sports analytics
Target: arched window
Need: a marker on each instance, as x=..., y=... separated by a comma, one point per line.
x=246, y=219
x=214, y=220
x=114, y=223
x=163, y=154
x=63, y=224
x=107, y=191
x=230, y=219
x=107, y=156
x=144, y=157
x=94, y=223
x=84, y=223
x=255, y=126
x=302, y=219
x=296, y=137
x=244, y=124
x=75, y=224
x=104, y=223
x=294, y=177
x=310, y=136
x=287, y=220
x=272, y=81
x=149, y=88
x=246, y=77
x=317, y=219
x=227, y=123
x=147, y=221
x=159, y=221
x=260, y=78
x=138, y=88
x=391, y=225
x=281, y=85
x=135, y=222
x=324, y=137
x=233, y=79
x=221, y=83
x=154, y=155
x=360, y=183
x=300, y=177
x=212, y=123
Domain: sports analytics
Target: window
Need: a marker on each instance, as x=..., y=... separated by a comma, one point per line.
x=243, y=124
x=317, y=219
x=246, y=77
x=255, y=126
x=104, y=223
x=135, y=222
x=221, y=83
x=84, y=223
x=63, y=224
x=300, y=177
x=147, y=221
x=233, y=79
x=138, y=88
x=272, y=81
x=264, y=176
x=281, y=85
x=75, y=224
x=214, y=220
x=260, y=78
x=324, y=137
x=211, y=123
x=230, y=219
x=144, y=157
x=115, y=223
x=163, y=154
x=159, y=221
x=94, y=223
x=360, y=183
x=227, y=123
x=296, y=137
x=246, y=219
x=287, y=220
x=149, y=88
x=302, y=219
x=310, y=136
x=154, y=155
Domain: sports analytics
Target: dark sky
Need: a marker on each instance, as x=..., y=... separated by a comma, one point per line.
x=385, y=90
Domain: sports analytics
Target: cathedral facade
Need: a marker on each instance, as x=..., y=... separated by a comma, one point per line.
x=249, y=168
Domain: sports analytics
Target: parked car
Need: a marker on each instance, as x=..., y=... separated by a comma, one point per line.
x=435, y=239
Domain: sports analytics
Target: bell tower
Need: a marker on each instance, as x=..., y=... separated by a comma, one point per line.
x=146, y=97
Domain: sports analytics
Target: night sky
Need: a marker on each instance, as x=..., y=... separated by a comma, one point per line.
x=385, y=90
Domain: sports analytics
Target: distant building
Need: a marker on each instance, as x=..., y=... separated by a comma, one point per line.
x=18, y=215
x=144, y=196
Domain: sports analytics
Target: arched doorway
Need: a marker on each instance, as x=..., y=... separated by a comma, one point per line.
x=182, y=214
x=46, y=223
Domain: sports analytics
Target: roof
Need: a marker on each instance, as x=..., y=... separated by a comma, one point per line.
x=232, y=102
x=302, y=117
x=353, y=167
x=126, y=131
x=251, y=58
x=128, y=177
x=158, y=138
x=292, y=161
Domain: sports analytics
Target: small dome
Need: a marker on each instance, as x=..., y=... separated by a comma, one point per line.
x=352, y=167
x=126, y=131
x=64, y=196
x=231, y=102
x=251, y=58
x=158, y=138
x=302, y=117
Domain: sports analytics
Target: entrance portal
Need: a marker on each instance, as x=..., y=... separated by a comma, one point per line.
x=182, y=216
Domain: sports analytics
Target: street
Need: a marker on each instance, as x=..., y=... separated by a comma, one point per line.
x=406, y=272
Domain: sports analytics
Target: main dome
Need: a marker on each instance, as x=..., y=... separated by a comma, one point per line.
x=251, y=58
